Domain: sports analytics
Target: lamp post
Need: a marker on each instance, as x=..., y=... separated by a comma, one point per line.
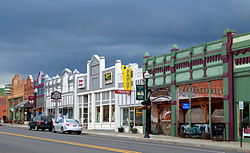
x=148, y=103
x=35, y=92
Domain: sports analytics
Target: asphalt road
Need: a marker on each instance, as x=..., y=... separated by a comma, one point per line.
x=19, y=140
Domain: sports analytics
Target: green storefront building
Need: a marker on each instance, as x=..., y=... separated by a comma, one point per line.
x=205, y=84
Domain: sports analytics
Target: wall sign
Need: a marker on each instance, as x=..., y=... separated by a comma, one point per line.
x=108, y=77
x=185, y=106
x=122, y=91
x=81, y=83
x=127, y=78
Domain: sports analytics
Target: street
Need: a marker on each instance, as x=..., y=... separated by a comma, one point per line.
x=19, y=140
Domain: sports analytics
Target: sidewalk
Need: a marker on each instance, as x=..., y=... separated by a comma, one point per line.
x=232, y=146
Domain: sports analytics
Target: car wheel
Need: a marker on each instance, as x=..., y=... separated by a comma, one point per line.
x=79, y=132
x=53, y=130
x=62, y=130
x=36, y=128
x=29, y=127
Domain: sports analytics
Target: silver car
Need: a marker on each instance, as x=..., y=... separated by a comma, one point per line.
x=67, y=125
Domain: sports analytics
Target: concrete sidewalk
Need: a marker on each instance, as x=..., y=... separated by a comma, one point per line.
x=232, y=146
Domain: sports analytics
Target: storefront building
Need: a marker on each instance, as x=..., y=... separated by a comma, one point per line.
x=39, y=96
x=204, y=84
x=103, y=102
x=18, y=103
x=3, y=106
x=65, y=83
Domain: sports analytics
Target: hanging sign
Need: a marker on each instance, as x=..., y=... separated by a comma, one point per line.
x=140, y=92
x=127, y=78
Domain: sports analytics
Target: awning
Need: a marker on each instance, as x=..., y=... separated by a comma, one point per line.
x=23, y=104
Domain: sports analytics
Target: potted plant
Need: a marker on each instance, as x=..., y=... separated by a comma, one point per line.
x=120, y=129
x=134, y=130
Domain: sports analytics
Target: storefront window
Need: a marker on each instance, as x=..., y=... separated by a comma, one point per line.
x=113, y=113
x=106, y=113
x=97, y=114
x=138, y=116
x=131, y=115
x=125, y=118
x=90, y=115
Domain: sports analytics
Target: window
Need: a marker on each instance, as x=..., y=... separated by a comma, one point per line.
x=90, y=115
x=138, y=116
x=105, y=95
x=132, y=115
x=97, y=114
x=113, y=113
x=106, y=113
x=125, y=117
x=97, y=97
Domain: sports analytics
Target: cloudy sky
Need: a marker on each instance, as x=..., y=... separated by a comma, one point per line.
x=50, y=35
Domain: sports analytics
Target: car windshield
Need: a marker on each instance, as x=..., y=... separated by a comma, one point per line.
x=72, y=121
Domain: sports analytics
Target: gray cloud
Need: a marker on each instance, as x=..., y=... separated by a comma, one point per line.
x=51, y=35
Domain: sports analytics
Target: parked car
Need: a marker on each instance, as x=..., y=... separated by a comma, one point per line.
x=67, y=125
x=41, y=122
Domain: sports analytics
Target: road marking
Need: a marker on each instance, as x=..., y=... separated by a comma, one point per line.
x=72, y=143
x=159, y=145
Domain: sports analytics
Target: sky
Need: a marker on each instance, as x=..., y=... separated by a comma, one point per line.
x=50, y=35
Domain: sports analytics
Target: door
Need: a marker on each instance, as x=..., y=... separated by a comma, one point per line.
x=246, y=120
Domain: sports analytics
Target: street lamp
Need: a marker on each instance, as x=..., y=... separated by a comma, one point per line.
x=147, y=103
x=35, y=93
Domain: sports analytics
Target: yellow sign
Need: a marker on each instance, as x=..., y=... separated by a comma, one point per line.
x=127, y=78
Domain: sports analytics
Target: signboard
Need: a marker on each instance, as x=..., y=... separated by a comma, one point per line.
x=56, y=95
x=31, y=100
x=185, y=106
x=122, y=91
x=127, y=78
x=81, y=83
x=241, y=105
x=140, y=92
x=246, y=132
x=108, y=77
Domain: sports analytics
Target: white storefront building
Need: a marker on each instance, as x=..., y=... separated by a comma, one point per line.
x=99, y=107
x=65, y=83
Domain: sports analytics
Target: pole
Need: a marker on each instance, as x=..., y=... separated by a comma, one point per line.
x=209, y=109
x=241, y=126
x=190, y=109
x=148, y=113
x=56, y=109
x=35, y=104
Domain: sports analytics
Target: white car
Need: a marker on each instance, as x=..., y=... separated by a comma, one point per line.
x=67, y=125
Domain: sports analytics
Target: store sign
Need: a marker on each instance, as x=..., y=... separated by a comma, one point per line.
x=246, y=132
x=81, y=83
x=127, y=77
x=140, y=92
x=122, y=91
x=31, y=100
x=108, y=77
x=241, y=105
x=56, y=95
x=185, y=106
